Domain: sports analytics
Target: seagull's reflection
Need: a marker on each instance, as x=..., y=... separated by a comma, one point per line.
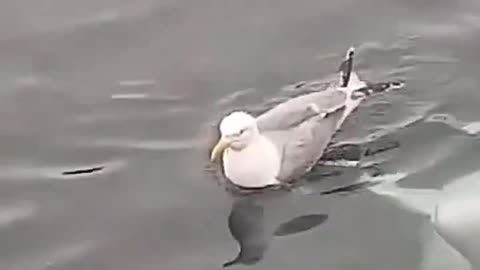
x=254, y=222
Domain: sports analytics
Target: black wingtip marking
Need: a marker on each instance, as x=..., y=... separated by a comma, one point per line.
x=350, y=52
x=346, y=67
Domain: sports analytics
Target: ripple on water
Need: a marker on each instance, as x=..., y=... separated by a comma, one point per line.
x=145, y=96
x=470, y=128
x=429, y=59
x=57, y=257
x=29, y=80
x=137, y=83
x=139, y=90
x=162, y=145
x=458, y=25
x=13, y=213
x=232, y=97
x=402, y=70
x=131, y=96
x=69, y=22
x=67, y=253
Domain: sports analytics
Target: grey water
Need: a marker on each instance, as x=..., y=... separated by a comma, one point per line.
x=107, y=109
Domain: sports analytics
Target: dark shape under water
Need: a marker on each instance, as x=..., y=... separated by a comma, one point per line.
x=300, y=224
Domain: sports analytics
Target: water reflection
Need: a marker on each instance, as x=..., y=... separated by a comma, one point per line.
x=253, y=223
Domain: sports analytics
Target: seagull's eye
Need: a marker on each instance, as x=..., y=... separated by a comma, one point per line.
x=242, y=131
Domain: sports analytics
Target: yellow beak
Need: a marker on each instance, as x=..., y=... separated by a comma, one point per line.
x=217, y=151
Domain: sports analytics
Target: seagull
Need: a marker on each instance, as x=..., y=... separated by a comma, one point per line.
x=281, y=145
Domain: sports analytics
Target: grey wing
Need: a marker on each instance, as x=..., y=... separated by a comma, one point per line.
x=297, y=110
x=305, y=145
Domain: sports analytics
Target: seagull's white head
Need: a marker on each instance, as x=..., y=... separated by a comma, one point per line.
x=237, y=130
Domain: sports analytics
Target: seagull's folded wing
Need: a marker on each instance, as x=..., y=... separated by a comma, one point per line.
x=295, y=111
x=302, y=146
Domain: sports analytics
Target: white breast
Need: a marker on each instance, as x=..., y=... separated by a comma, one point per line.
x=256, y=165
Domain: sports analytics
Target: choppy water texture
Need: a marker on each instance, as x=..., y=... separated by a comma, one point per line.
x=106, y=111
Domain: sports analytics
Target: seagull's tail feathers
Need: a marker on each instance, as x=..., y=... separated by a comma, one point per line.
x=349, y=80
x=351, y=83
x=346, y=67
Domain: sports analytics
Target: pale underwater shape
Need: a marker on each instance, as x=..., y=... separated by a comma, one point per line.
x=454, y=212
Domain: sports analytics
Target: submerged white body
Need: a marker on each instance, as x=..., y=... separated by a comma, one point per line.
x=454, y=212
x=457, y=220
